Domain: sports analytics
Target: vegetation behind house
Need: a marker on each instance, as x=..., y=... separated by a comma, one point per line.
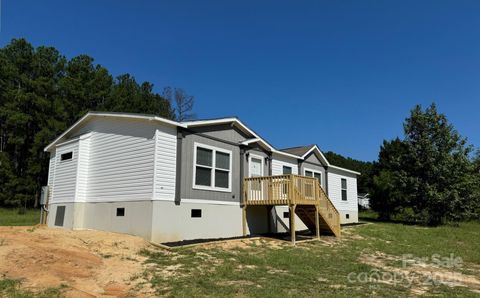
x=42, y=93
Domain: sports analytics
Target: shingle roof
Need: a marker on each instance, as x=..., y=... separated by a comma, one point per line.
x=299, y=151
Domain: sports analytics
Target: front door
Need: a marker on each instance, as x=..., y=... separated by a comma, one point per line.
x=256, y=170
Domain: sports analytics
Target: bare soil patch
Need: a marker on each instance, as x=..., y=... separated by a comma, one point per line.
x=89, y=263
x=420, y=276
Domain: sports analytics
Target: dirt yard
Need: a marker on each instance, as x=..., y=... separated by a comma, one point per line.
x=89, y=263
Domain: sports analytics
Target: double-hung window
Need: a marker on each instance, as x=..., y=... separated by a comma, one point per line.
x=212, y=169
x=314, y=174
x=344, y=189
x=287, y=170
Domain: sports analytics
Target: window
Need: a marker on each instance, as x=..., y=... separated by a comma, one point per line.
x=196, y=213
x=347, y=216
x=212, y=168
x=287, y=170
x=314, y=174
x=120, y=211
x=344, y=189
x=66, y=156
x=286, y=214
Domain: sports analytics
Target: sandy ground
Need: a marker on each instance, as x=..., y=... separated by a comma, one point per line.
x=90, y=263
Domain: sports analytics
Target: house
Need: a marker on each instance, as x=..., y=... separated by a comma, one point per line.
x=364, y=200
x=169, y=181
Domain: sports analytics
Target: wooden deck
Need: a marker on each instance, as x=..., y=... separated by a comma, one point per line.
x=304, y=196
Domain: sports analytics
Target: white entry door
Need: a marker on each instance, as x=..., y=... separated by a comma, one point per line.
x=256, y=170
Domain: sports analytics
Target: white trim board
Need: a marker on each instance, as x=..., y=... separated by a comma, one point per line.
x=212, y=168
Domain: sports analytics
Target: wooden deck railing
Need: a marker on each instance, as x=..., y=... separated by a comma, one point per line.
x=280, y=190
x=291, y=190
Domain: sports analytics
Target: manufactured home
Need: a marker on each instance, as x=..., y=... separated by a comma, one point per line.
x=170, y=181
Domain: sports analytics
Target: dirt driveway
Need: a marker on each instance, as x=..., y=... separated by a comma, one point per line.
x=90, y=263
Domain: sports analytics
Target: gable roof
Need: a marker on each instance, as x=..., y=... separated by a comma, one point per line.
x=90, y=115
x=304, y=151
x=300, y=152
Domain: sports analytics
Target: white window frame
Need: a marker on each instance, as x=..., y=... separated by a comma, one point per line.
x=344, y=189
x=313, y=172
x=214, y=149
x=66, y=152
x=262, y=167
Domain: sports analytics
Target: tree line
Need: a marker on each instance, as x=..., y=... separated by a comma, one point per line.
x=42, y=93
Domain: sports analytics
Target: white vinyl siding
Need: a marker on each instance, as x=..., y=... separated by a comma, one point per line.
x=82, y=170
x=165, y=163
x=279, y=161
x=65, y=176
x=335, y=190
x=51, y=170
x=121, y=163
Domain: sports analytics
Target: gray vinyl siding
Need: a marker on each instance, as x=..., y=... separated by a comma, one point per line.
x=312, y=163
x=223, y=132
x=187, y=191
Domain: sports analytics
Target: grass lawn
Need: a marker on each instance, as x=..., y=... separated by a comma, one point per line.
x=11, y=217
x=367, y=261
x=11, y=288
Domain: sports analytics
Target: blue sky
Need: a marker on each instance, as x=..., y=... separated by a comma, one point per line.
x=342, y=74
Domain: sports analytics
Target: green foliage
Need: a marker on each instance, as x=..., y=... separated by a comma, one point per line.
x=41, y=94
x=428, y=176
x=364, y=167
x=19, y=217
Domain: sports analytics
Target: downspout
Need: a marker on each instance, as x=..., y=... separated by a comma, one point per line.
x=178, y=174
x=326, y=180
x=242, y=171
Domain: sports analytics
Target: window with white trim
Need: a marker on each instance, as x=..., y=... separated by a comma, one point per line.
x=344, y=189
x=314, y=174
x=287, y=170
x=212, y=168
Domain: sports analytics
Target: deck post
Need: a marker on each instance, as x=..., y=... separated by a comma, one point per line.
x=317, y=222
x=244, y=220
x=292, y=223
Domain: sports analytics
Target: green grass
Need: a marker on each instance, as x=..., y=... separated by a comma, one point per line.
x=12, y=217
x=11, y=288
x=313, y=268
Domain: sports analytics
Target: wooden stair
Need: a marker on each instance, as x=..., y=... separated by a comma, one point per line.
x=304, y=196
x=307, y=214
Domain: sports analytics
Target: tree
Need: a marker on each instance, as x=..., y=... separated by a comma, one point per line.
x=364, y=167
x=427, y=175
x=183, y=103
x=41, y=94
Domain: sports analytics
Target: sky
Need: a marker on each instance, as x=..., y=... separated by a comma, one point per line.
x=341, y=74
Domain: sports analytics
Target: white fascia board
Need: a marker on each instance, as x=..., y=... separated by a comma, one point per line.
x=345, y=170
x=320, y=152
x=239, y=123
x=250, y=141
x=113, y=115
